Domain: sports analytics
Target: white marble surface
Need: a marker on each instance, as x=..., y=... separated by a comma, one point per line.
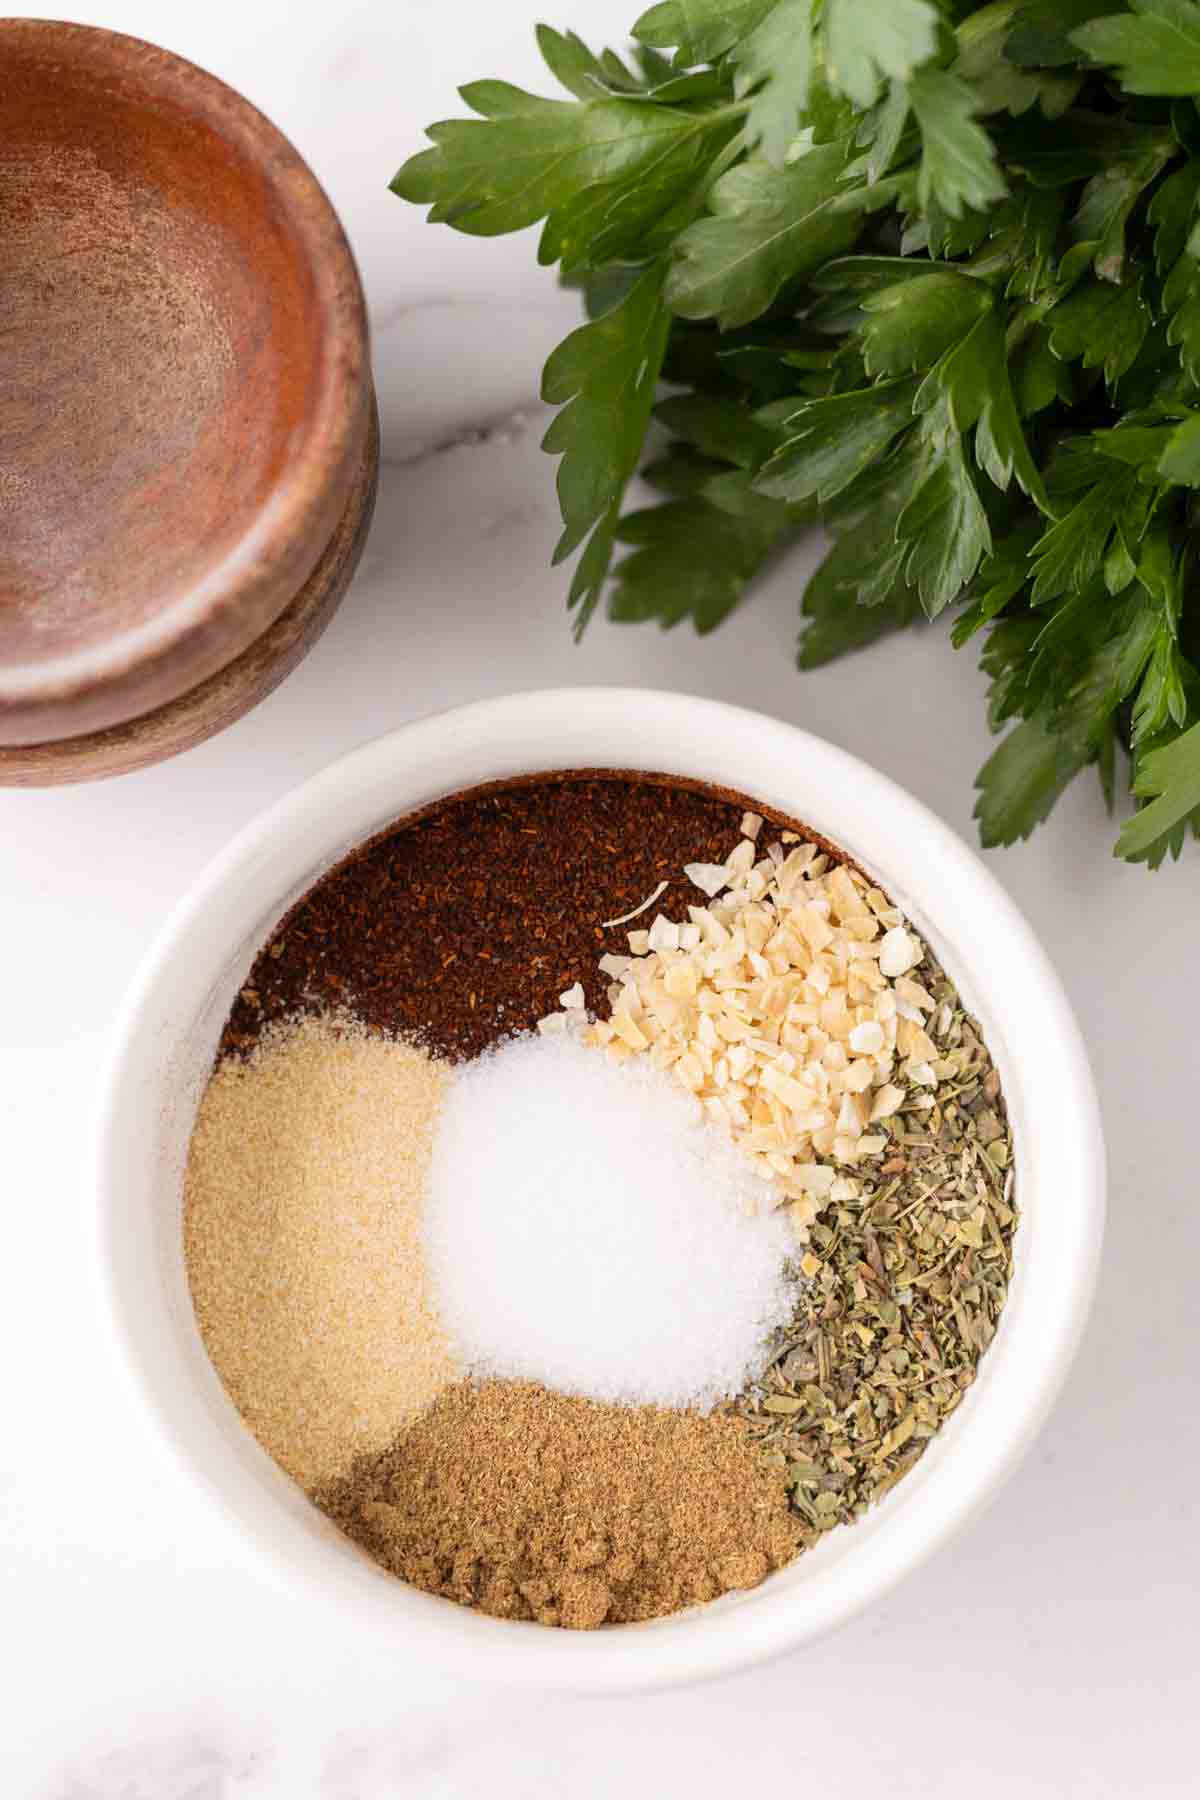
x=1051, y=1651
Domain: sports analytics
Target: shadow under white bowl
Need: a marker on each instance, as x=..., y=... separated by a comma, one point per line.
x=169, y=1031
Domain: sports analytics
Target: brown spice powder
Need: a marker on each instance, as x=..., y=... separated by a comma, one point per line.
x=303, y=1209
x=530, y=1504
x=463, y=925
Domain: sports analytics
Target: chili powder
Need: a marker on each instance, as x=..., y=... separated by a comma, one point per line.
x=463, y=923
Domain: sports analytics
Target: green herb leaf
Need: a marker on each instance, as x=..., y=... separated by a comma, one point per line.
x=1040, y=37
x=1068, y=556
x=858, y=594
x=1039, y=379
x=858, y=276
x=775, y=65
x=1001, y=449
x=767, y=227
x=1170, y=779
x=912, y=323
x=1003, y=576
x=1162, y=697
x=1074, y=148
x=1157, y=51
x=1102, y=324
x=1023, y=246
x=1180, y=461
x=832, y=441
x=972, y=381
x=681, y=472
x=719, y=428
x=605, y=174
x=885, y=131
x=1133, y=444
x=866, y=562
x=958, y=164
x=835, y=626
x=572, y=64
x=1020, y=782
x=1108, y=201
x=692, y=560
x=1172, y=213
x=925, y=273
x=604, y=377
x=700, y=31
x=1175, y=214
x=870, y=41
x=996, y=80
x=946, y=530
x=622, y=217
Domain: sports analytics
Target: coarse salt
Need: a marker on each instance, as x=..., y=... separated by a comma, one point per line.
x=589, y=1229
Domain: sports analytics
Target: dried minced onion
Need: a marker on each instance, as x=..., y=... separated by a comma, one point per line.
x=641, y=907
x=786, y=1006
x=710, y=878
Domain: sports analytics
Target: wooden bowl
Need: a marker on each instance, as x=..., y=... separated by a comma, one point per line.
x=185, y=399
x=233, y=690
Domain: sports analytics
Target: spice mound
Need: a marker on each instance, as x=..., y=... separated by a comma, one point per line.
x=589, y=1229
x=785, y=1006
x=601, y=1194
x=303, y=1235
x=531, y=1504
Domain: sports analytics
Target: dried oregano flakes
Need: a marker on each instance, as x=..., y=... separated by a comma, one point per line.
x=904, y=1284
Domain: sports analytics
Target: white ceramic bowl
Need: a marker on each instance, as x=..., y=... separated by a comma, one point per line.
x=169, y=1031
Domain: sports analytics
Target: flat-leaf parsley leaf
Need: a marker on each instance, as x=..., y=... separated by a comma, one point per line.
x=925, y=275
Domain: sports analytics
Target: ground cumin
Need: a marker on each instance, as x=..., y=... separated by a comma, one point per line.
x=530, y=1504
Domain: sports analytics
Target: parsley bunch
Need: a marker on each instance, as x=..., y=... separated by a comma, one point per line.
x=924, y=273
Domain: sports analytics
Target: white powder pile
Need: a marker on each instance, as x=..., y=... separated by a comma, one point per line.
x=587, y=1229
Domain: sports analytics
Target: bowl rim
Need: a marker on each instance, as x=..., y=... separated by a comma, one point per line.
x=993, y=1432
x=232, y=603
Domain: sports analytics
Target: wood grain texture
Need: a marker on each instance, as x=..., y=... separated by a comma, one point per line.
x=231, y=692
x=184, y=381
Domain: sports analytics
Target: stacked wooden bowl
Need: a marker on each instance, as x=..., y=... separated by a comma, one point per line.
x=188, y=441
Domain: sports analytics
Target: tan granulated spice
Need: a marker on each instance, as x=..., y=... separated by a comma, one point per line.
x=303, y=1205
x=530, y=1504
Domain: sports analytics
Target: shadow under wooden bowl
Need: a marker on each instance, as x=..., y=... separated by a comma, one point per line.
x=184, y=384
